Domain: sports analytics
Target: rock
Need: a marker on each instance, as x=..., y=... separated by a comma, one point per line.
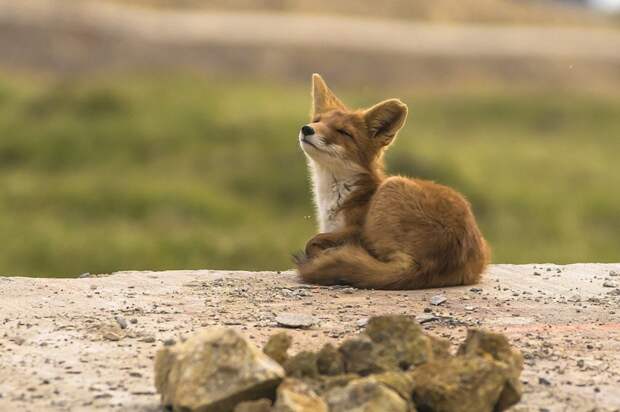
x=366, y=395
x=609, y=284
x=277, y=346
x=544, y=381
x=260, y=405
x=438, y=300
x=295, y=396
x=400, y=382
x=302, y=365
x=214, y=370
x=112, y=336
x=362, y=322
x=389, y=343
x=401, y=342
x=479, y=343
x=464, y=384
x=329, y=361
x=326, y=383
x=426, y=318
x=295, y=320
x=360, y=356
x=122, y=323
x=440, y=347
x=111, y=332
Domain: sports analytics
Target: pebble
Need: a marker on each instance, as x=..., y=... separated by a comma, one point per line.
x=425, y=318
x=544, y=381
x=295, y=320
x=609, y=284
x=438, y=300
x=111, y=336
x=362, y=322
x=121, y=322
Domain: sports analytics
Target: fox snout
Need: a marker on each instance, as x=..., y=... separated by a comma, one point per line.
x=307, y=130
x=307, y=136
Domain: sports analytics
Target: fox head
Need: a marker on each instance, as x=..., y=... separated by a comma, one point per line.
x=341, y=139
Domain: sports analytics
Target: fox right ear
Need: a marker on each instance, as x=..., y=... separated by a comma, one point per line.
x=323, y=99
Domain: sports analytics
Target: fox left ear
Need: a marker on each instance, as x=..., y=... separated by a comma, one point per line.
x=323, y=99
x=385, y=119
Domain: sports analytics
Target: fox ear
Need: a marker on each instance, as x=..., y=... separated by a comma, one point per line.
x=385, y=119
x=323, y=99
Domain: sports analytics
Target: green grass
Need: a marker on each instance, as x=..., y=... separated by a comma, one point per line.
x=183, y=172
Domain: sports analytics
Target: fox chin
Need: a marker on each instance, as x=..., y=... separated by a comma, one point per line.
x=378, y=231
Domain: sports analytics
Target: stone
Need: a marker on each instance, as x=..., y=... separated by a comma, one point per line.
x=366, y=395
x=438, y=300
x=609, y=284
x=295, y=320
x=400, y=382
x=277, y=347
x=329, y=361
x=389, y=343
x=360, y=356
x=260, y=405
x=426, y=318
x=441, y=347
x=462, y=383
x=122, y=323
x=479, y=343
x=302, y=365
x=295, y=396
x=214, y=370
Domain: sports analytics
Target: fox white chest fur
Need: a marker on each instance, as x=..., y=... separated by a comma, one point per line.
x=331, y=189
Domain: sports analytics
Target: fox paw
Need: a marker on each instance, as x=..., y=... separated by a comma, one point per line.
x=300, y=257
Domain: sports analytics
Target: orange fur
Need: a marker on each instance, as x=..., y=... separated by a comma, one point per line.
x=380, y=232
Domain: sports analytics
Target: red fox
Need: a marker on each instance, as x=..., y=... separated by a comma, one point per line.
x=380, y=232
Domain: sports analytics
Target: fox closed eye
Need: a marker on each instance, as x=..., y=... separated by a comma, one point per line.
x=344, y=132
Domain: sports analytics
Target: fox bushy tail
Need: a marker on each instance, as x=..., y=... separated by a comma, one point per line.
x=353, y=265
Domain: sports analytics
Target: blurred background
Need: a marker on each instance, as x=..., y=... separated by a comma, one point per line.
x=162, y=134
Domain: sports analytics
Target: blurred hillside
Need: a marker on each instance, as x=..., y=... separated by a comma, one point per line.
x=165, y=137
x=461, y=11
x=79, y=38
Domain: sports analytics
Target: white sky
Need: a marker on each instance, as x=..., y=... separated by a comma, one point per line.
x=610, y=5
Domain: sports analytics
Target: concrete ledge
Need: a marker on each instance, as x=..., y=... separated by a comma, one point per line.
x=62, y=348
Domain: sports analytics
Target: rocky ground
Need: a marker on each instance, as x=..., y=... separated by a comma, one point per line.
x=88, y=343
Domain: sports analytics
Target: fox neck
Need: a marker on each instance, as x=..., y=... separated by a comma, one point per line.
x=332, y=187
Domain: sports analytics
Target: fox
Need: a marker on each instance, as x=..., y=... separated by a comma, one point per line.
x=378, y=231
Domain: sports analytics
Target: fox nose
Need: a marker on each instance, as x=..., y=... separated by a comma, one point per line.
x=307, y=130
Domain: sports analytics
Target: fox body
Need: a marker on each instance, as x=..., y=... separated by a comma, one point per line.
x=377, y=231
